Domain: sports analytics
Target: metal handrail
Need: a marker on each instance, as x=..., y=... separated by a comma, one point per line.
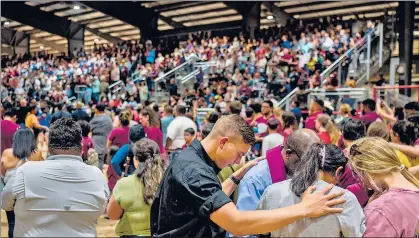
x=195, y=72
x=333, y=66
x=175, y=69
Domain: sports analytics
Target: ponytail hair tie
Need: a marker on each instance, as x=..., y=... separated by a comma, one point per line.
x=323, y=155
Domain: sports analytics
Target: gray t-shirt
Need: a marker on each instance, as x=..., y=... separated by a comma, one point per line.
x=100, y=126
x=61, y=196
x=349, y=223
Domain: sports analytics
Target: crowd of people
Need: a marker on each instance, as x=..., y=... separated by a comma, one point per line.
x=74, y=148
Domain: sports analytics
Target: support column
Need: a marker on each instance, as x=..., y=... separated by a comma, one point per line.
x=19, y=41
x=252, y=20
x=75, y=38
x=406, y=13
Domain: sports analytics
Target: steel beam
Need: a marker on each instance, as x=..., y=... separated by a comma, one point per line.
x=45, y=21
x=135, y=14
x=186, y=30
x=280, y=15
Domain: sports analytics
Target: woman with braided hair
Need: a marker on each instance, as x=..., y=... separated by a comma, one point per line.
x=133, y=195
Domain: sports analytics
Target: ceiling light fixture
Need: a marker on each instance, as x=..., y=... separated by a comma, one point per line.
x=76, y=7
x=6, y=23
x=96, y=40
x=41, y=47
x=270, y=17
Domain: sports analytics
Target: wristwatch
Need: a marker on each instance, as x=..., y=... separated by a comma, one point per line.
x=234, y=179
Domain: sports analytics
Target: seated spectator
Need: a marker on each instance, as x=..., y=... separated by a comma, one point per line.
x=132, y=196
x=394, y=211
x=320, y=166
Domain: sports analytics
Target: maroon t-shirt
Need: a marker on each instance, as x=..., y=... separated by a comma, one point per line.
x=155, y=134
x=369, y=118
x=87, y=144
x=311, y=121
x=262, y=120
x=8, y=129
x=119, y=136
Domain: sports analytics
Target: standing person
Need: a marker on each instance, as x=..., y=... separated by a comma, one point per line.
x=395, y=210
x=79, y=114
x=290, y=124
x=165, y=121
x=119, y=160
x=132, y=196
x=273, y=139
x=40, y=191
x=189, y=135
x=175, y=136
x=406, y=133
x=267, y=113
x=23, y=149
x=8, y=128
x=119, y=136
x=22, y=112
x=191, y=201
x=369, y=115
x=316, y=109
x=61, y=113
x=101, y=126
x=151, y=124
x=320, y=166
x=32, y=121
x=87, y=142
x=327, y=130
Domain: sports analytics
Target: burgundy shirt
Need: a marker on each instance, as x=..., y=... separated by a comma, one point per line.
x=262, y=120
x=155, y=134
x=119, y=136
x=369, y=118
x=311, y=121
x=393, y=214
x=8, y=129
x=287, y=132
x=87, y=144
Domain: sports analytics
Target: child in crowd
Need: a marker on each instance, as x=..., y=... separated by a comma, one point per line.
x=189, y=135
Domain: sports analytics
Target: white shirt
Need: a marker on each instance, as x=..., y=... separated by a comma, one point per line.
x=176, y=129
x=270, y=141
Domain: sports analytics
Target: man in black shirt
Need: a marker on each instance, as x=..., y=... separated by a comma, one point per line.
x=191, y=202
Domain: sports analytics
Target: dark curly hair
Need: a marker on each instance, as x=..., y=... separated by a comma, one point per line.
x=65, y=134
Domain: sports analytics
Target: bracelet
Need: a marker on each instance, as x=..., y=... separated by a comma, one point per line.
x=234, y=179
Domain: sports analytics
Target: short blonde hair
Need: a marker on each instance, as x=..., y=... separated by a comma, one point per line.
x=345, y=108
x=372, y=156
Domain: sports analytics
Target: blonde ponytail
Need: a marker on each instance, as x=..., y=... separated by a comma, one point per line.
x=372, y=156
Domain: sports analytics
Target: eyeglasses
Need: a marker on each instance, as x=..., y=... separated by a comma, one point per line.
x=289, y=150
